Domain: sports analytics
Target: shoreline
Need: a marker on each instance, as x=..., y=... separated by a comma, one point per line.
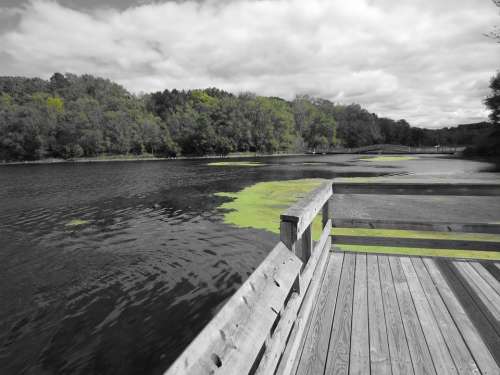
x=144, y=158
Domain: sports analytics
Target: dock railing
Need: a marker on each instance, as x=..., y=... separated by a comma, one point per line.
x=250, y=333
x=261, y=328
x=434, y=187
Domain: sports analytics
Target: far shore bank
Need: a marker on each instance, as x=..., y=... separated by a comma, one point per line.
x=110, y=158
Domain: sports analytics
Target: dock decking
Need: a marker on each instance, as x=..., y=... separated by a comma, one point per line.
x=381, y=314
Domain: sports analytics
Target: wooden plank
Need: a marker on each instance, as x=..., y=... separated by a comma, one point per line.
x=288, y=235
x=379, y=349
x=276, y=344
x=323, y=245
x=306, y=245
x=438, y=349
x=360, y=346
x=417, y=187
x=492, y=268
x=487, y=276
x=327, y=212
x=398, y=345
x=475, y=343
x=337, y=361
x=461, y=355
x=481, y=288
x=417, y=242
x=419, y=351
x=232, y=340
x=305, y=210
x=293, y=350
x=416, y=225
x=314, y=353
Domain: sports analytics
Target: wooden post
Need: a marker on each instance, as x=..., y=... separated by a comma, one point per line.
x=305, y=245
x=327, y=211
x=288, y=234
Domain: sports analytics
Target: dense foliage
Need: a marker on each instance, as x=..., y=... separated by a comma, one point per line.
x=73, y=116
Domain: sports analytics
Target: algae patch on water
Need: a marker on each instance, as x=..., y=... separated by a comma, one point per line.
x=388, y=158
x=259, y=206
x=76, y=222
x=236, y=164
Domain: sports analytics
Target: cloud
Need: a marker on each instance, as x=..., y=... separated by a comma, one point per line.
x=413, y=59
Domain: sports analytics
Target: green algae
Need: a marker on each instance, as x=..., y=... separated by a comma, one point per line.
x=425, y=252
x=259, y=206
x=398, y=233
x=236, y=164
x=76, y=222
x=388, y=158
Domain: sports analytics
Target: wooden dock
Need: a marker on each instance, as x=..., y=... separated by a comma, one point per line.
x=379, y=314
x=311, y=309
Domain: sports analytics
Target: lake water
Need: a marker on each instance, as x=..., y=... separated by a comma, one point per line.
x=127, y=291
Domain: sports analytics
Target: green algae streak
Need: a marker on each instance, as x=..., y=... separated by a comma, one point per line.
x=388, y=158
x=235, y=164
x=76, y=222
x=259, y=206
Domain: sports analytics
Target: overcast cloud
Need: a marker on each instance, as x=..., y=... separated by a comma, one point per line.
x=423, y=60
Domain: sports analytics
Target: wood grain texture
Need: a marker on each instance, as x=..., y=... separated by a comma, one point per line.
x=314, y=354
x=437, y=226
x=481, y=288
x=417, y=242
x=360, y=345
x=417, y=187
x=487, y=276
x=476, y=345
x=461, y=355
x=379, y=348
x=419, y=352
x=295, y=344
x=398, y=346
x=337, y=361
x=436, y=343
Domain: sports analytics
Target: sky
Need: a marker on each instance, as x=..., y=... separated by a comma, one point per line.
x=427, y=61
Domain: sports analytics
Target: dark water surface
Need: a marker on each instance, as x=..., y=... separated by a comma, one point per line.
x=127, y=292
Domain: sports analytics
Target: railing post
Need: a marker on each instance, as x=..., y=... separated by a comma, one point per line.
x=327, y=211
x=306, y=245
x=288, y=234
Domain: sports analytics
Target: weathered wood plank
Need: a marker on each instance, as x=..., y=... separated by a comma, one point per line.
x=276, y=344
x=398, y=346
x=293, y=350
x=458, y=349
x=305, y=210
x=337, y=361
x=314, y=353
x=476, y=345
x=481, y=288
x=379, y=348
x=409, y=187
x=415, y=225
x=327, y=211
x=419, y=351
x=323, y=245
x=360, y=346
x=438, y=349
x=487, y=276
x=417, y=242
x=231, y=341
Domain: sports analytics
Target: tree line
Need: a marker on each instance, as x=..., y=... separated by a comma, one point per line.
x=70, y=116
